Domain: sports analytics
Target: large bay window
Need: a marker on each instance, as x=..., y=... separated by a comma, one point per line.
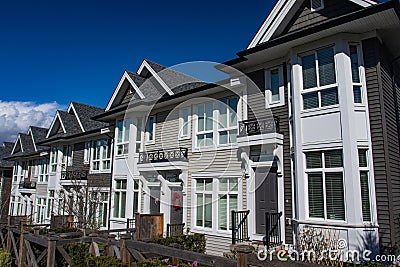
x=319, y=79
x=120, y=198
x=101, y=155
x=364, y=182
x=221, y=123
x=325, y=184
x=123, y=127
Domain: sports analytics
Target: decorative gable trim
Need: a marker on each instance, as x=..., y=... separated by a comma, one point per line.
x=279, y=13
x=124, y=77
x=71, y=107
x=56, y=118
x=30, y=132
x=155, y=75
x=15, y=145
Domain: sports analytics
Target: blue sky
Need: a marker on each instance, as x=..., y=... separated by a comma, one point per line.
x=77, y=50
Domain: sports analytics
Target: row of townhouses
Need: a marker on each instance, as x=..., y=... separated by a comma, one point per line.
x=305, y=128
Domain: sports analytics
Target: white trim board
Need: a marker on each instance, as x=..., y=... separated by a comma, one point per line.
x=33, y=139
x=71, y=106
x=53, y=122
x=124, y=77
x=155, y=75
x=279, y=13
x=15, y=144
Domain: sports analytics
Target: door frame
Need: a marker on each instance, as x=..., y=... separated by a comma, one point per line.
x=252, y=200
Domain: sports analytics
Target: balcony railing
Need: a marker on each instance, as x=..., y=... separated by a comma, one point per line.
x=74, y=175
x=27, y=185
x=164, y=155
x=259, y=126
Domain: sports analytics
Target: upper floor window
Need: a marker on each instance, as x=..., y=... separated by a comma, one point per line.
x=44, y=170
x=325, y=184
x=319, y=79
x=355, y=73
x=139, y=138
x=66, y=159
x=274, y=86
x=150, y=129
x=101, y=155
x=205, y=135
x=53, y=159
x=123, y=127
x=17, y=171
x=25, y=169
x=316, y=5
x=227, y=120
x=184, y=125
x=86, y=153
x=36, y=165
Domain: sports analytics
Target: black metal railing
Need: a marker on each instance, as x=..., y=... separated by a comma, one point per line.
x=259, y=126
x=164, y=155
x=74, y=175
x=240, y=231
x=175, y=229
x=27, y=185
x=273, y=229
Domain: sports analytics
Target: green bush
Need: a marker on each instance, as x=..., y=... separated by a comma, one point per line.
x=195, y=242
x=104, y=261
x=5, y=259
x=163, y=263
x=79, y=253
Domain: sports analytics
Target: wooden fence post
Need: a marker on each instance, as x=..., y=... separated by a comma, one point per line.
x=36, y=230
x=109, y=249
x=51, y=251
x=125, y=255
x=22, y=250
x=9, y=233
x=243, y=252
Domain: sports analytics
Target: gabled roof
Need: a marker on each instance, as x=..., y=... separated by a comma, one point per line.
x=84, y=114
x=24, y=144
x=64, y=123
x=154, y=69
x=281, y=15
x=38, y=134
x=5, y=151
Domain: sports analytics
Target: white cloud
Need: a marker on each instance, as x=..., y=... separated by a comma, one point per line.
x=16, y=117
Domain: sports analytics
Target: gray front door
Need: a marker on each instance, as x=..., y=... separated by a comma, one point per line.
x=155, y=193
x=266, y=196
x=176, y=205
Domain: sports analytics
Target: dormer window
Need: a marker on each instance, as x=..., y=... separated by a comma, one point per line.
x=317, y=5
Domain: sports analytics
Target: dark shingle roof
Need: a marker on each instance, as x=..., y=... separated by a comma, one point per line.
x=85, y=114
x=27, y=143
x=5, y=151
x=39, y=135
x=70, y=122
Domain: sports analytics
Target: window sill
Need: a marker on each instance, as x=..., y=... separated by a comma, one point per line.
x=320, y=111
x=215, y=148
x=269, y=105
x=183, y=137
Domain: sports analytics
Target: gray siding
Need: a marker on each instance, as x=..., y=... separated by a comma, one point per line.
x=258, y=110
x=332, y=8
x=385, y=140
x=217, y=245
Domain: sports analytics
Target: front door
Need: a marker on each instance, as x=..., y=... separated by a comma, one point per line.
x=266, y=196
x=155, y=193
x=176, y=205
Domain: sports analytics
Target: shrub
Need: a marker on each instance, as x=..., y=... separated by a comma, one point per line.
x=163, y=263
x=104, y=261
x=5, y=259
x=79, y=253
x=195, y=242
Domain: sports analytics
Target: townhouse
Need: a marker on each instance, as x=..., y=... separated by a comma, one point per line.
x=302, y=132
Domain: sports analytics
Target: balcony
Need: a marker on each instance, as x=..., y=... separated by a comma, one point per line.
x=166, y=159
x=76, y=175
x=259, y=126
x=27, y=185
x=259, y=132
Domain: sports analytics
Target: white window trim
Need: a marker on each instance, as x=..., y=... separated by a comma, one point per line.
x=323, y=170
x=100, y=159
x=86, y=152
x=318, y=88
x=182, y=121
x=268, y=93
x=362, y=83
x=142, y=132
x=147, y=134
x=43, y=171
x=119, y=190
x=124, y=142
x=317, y=9
x=53, y=155
x=370, y=182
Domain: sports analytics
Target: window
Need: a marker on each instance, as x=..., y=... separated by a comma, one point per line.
x=355, y=73
x=25, y=168
x=150, y=129
x=36, y=165
x=86, y=153
x=17, y=171
x=101, y=155
x=136, y=185
x=227, y=120
x=120, y=198
x=325, y=184
x=12, y=203
x=316, y=5
x=50, y=204
x=184, y=124
x=319, y=79
x=364, y=182
x=274, y=86
x=139, y=134
x=53, y=159
x=205, y=135
x=44, y=171
x=227, y=201
x=123, y=127
x=204, y=191
x=41, y=209
x=66, y=159
x=98, y=209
